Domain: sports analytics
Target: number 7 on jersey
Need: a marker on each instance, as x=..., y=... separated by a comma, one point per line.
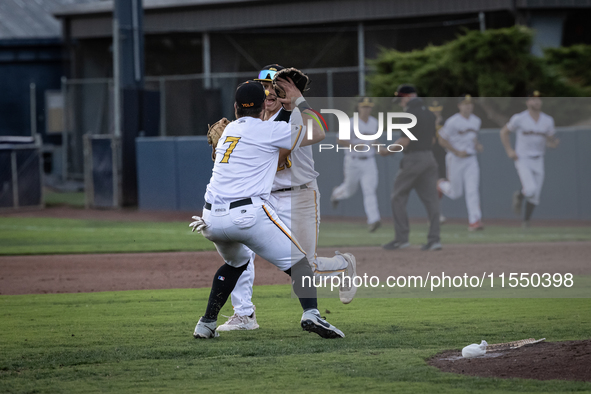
x=233, y=141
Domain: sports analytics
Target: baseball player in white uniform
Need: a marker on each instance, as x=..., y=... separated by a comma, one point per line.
x=296, y=200
x=237, y=214
x=535, y=131
x=459, y=136
x=360, y=166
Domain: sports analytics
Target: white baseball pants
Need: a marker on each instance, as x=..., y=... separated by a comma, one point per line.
x=463, y=176
x=531, y=174
x=299, y=210
x=239, y=232
x=364, y=172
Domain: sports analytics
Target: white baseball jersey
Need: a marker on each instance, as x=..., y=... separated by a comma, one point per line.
x=461, y=133
x=531, y=135
x=299, y=168
x=246, y=158
x=367, y=128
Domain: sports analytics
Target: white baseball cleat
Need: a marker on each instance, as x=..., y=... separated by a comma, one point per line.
x=313, y=322
x=237, y=322
x=205, y=330
x=348, y=289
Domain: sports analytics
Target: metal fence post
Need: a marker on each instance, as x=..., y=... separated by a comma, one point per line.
x=361, y=57
x=162, y=86
x=33, y=100
x=65, y=129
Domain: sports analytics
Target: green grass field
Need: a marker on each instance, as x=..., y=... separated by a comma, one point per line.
x=60, y=236
x=73, y=199
x=141, y=341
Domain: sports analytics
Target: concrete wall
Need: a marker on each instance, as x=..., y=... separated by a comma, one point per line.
x=173, y=173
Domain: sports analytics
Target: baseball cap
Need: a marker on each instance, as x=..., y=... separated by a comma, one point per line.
x=250, y=94
x=365, y=102
x=403, y=90
x=466, y=98
x=268, y=72
x=534, y=93
x=435, y=106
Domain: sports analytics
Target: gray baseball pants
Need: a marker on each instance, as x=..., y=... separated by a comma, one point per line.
x=418, y=170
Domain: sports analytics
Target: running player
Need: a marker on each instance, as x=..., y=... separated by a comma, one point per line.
x=459, y=136
x=535, y=131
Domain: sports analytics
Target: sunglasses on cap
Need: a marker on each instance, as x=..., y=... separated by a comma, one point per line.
x=266, y=75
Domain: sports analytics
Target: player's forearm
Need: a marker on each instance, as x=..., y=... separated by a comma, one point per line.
x=447, y=146
x=318, y=133
x=283, y=154
x=506, y=140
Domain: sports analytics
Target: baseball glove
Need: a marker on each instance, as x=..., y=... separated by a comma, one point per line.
x=215, y=132
x=300, y=80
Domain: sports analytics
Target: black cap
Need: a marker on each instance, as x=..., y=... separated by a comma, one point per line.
x=534, y=93
x=250, y=94
x=268, y=72
x=365, y=102
x=465, y=98
x=405, y=89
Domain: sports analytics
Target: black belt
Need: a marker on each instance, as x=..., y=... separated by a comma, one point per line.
x=360, y=157
x=235, y=204
x=289, y=189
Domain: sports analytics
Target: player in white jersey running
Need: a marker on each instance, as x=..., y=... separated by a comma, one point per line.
x=237, y=214
x=360, y=166
x=459, y=136
x=535, y=131
x=296, y=200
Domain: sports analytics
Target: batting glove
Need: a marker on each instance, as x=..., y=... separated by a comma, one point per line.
x=198, y=224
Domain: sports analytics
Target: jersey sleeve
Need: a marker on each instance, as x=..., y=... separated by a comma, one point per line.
x=445, y=130
x=288, y=135
x=551, y=129
x=513, y=123
x=478, y=123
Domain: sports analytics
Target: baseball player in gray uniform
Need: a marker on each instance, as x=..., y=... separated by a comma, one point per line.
x=360, y=167
x=237, y=216
x=296, y=200
x=535, y=131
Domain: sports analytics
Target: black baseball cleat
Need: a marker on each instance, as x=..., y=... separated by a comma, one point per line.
x=313, y=322
x=432, y=246
x=374, y=226
x=517, y=202
x=394, y=245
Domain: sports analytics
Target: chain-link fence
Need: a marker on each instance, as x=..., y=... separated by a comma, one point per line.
x=186, y=104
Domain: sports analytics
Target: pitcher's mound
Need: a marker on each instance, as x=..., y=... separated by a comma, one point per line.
x=543, y=361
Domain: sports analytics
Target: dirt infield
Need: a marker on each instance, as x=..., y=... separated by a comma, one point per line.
x=139, y=271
